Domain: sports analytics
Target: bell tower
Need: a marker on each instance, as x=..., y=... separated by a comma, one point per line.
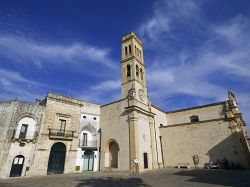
x=139, y=115
x=133, y=71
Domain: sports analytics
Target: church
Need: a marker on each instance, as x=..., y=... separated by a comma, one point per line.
x=61, y=134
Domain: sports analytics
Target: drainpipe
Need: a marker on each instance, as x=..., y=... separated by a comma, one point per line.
x=100, y=145
x=156, y=147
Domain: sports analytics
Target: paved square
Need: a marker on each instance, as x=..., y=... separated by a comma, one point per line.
x=164, y=177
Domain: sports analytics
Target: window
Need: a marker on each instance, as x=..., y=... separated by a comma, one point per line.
x=141, y=72
x=62, y=126
x=129, y=49
x=194, y=118
x=128, y=71
x=126, y=50
x=137, y=71
x=84, y=139
x=135, y=49
x=23, y=131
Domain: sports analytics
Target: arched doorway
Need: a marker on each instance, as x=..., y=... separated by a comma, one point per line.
x=88, y=160
x=111, y=156
x=56, y=158
x=113, y=150
x=17, y=166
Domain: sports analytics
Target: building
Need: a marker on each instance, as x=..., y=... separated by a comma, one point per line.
x=19, y=127
x=68, y=137
x=61, y=134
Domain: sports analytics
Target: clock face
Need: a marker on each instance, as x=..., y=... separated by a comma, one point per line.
x=141, y=94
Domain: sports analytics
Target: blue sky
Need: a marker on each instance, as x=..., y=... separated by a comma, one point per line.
x=194, y=51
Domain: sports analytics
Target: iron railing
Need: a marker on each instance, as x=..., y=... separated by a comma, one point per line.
x=29, y=135
x=61, y=133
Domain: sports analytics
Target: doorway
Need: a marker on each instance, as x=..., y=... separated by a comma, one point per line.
x=17, y=166
x=113, y=149
x=88, y=160
x=145, y=159
x=56, y=159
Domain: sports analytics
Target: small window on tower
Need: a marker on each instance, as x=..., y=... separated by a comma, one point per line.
x=194, y=118
x=128, y=71
x=126, y=50
x=135, y=49
x=137, y=71
x=141, y=72
x=129, y=49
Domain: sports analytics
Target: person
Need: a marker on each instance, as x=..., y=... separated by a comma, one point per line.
x=225, y=163
x=210, y=163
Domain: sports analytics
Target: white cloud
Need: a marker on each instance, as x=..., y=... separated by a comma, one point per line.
x=102, y=93
x=107, y=86
x=205, y=71
x=165, y=14
x=23, y=50
x=13, y=84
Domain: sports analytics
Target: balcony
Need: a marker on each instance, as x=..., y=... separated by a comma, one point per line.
x=27, y=136
x=89, y=143
x=59, y=134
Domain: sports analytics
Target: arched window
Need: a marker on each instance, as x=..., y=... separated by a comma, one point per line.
x=141, y=72
x=129, y=49
x=126, y=50
x=137, y=71
x=25, y=129
x=128, y=71
x=135, y=49
x=194, y=118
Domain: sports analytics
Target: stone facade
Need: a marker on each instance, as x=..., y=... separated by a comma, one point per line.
x=212, y=137
x=60, y=109
x=61, y=134
x=12, y=113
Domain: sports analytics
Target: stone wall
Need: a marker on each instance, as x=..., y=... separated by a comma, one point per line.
x=210, y=138
x=10, y=113
x=114, y=126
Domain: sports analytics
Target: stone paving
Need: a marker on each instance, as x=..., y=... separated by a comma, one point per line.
x=164, y=177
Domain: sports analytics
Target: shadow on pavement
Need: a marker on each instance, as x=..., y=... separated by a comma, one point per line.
x=111, y=182
x=218, y=177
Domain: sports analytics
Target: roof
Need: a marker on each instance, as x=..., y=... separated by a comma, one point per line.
x=196, y=107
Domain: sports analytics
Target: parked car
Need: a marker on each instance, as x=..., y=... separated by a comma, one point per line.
x=214, y=164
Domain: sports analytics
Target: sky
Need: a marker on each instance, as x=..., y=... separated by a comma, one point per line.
x=194, y=51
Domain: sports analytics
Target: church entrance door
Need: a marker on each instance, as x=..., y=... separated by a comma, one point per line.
x=113, y=148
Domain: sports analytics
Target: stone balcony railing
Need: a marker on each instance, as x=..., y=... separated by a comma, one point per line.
x=59, y=134
x=89, y=143
x=28, y=136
